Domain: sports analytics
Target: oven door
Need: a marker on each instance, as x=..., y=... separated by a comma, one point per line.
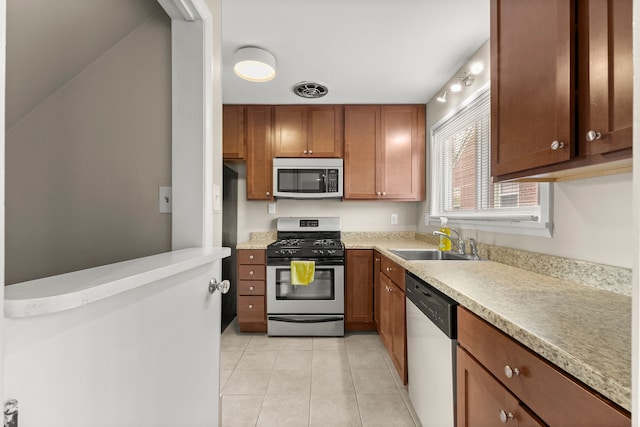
x=324, y=295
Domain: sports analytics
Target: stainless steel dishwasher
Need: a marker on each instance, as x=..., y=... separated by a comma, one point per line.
x=431, y=352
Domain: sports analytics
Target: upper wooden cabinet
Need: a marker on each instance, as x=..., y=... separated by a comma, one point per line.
x=384, y=152
x=259, y=157
x=308, y=131
x=233, y=132
x=539, y=52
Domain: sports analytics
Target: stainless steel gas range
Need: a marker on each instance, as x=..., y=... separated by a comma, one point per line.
x=316, y=308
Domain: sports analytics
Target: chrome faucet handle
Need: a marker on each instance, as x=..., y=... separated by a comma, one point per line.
x=461, y=245
x=474, y=248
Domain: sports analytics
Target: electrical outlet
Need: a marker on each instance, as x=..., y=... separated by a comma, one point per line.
x=165, y=199
x=426, y=219
x=272, y=208
x=394, y=219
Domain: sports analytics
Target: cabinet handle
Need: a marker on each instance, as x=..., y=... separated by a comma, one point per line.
x=378, y=193
x=557, y=144
x=505, y=416
x=310, y=151
x=384, y=193
x=268, y=194
x=305, y=151
x=250, y=256
x=250, y=305
x=251, y=273
x=510, y=372
x=592, y=135
x=251, y=288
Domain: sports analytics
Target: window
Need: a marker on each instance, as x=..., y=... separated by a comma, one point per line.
x=461, y=185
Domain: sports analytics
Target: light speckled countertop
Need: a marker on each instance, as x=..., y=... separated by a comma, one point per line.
x=583, y=330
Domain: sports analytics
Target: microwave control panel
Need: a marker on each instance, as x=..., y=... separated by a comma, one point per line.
x=332, y=180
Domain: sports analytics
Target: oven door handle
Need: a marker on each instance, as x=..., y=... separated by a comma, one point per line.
x=316, y=320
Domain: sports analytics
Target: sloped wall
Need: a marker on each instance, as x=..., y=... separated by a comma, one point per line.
x=84, y=167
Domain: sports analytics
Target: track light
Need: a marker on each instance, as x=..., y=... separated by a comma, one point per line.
x=465, y=80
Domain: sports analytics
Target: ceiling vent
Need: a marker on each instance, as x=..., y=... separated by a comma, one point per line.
x=310, y=90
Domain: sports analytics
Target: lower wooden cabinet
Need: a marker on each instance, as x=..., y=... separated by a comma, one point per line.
x=359, y=290
x=392, y=314
x=483, y=401
x=252, y=313
x=525, y=379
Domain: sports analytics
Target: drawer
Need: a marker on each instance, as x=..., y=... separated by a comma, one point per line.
x=251, y=287
x=251, y=309
x=251, y=272
x=552, y=394
x=393, y=271
x=251, y=256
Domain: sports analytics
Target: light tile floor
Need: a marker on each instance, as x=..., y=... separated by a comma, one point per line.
x=315, y=382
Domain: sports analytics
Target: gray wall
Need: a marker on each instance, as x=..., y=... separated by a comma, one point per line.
x=590, y=216
x=83, y=168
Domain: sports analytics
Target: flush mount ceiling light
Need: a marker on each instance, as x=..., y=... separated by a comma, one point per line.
x=254, y=64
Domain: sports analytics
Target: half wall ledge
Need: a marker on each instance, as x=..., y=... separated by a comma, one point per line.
x=71, y=290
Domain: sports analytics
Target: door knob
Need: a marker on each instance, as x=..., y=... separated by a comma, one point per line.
x=223, y=286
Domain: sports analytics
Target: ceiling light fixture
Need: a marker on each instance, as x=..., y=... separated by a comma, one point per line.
x=465, y=80
x=254, y=64
x=443, y=97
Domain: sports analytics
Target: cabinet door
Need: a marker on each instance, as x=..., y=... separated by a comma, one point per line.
x=290, y=131
x=385, y=329
x=532, y=84
x=259, y=158
x=361, y=137
x=398, y=330
x=359, y=290
x=233, y=134
x=401, y=155
x=325, y=131
x=482, y=401
x=376, y=288
x=605, y=75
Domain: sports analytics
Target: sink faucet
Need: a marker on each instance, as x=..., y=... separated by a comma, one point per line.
x=474, y=248
x=459, y=245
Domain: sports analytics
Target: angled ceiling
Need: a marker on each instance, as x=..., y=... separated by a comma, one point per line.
x=365, y=51
x=49, y=42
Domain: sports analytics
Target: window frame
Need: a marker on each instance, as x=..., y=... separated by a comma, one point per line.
x=494, y=221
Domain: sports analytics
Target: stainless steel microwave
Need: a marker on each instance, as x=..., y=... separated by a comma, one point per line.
x=307, y=178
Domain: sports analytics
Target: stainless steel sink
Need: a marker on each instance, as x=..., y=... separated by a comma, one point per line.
x=430, y=254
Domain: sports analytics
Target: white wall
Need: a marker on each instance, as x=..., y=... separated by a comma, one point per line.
x=592, y=217
x=146, y=358
x=356, y=215
x=84, y=167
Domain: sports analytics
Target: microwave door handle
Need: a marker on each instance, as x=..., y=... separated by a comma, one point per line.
x=324, y=181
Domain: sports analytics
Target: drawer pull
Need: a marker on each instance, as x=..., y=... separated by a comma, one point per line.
x=251, y=273
x=555, y=145
x=250, y=305
x=505, y=416
x=510, y=372
x=250, y=288
x=250, y=256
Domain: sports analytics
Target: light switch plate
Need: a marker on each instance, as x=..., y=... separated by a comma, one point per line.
x=165, y=200
x=394, y=219
x=272, y=208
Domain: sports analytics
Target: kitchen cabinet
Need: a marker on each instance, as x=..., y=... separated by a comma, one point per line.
x=233, y=132
x=528, y=380
x=308, y=131
x=384, y=154
x=483, y=401
x=549, y=68
x=252, y=314
x=377, y=258
x=259, y=158
x=392, y=328
x=359, y=290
